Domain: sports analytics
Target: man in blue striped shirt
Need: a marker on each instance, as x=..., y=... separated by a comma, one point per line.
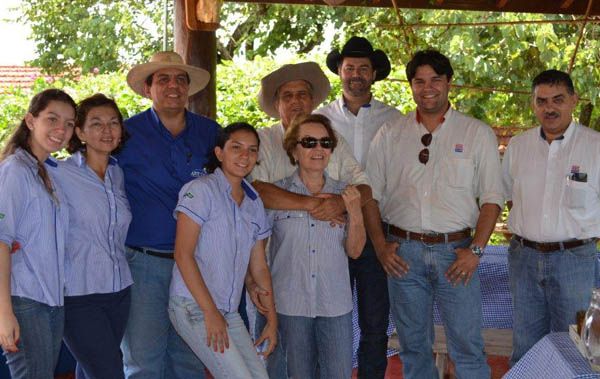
x=168, y=147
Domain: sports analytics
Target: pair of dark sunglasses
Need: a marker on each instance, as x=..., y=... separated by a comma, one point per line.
x=424, y=154
x=311, y=142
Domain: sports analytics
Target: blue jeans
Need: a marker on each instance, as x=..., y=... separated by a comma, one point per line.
x=39, y=345
x=325, y=342
x=239, y=361
x=276, y=365
x=151, y=347
x=547, y=291
x=94, y=328
x=411, y=300
x=373, y=313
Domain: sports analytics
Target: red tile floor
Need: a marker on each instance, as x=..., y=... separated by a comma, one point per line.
x=499, y=367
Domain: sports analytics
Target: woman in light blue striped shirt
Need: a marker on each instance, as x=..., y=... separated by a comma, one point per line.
x=97, y=276
x=309, y=259
x=221, y=228
x=33, y=229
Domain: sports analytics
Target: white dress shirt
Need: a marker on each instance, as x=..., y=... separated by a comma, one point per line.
x=275, y=163
x=551, y=201
x=359, y=129
x=440, y=196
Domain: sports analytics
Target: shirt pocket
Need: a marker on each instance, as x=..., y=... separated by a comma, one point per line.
x=459, y=173
x=576, y=194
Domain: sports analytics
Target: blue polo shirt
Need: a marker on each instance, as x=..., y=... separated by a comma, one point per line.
x=156, y=165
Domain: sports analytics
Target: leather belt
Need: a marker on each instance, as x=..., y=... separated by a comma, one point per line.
x=430, y=237
x=546, y=247
x=152, y=252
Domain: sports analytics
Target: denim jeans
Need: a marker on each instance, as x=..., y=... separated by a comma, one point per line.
x=151, y=347
x=411, y=300
x=39, y=345
x=239, y=361
x=547, y=291
x=325, y=342
x=276, y=365
x=370, y=280
x=94, y=328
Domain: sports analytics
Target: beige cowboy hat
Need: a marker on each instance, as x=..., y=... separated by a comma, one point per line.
x=308, y=71
x=166, y=59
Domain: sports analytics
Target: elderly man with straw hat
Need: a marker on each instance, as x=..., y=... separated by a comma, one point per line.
x=288, y=92
x=168, y=147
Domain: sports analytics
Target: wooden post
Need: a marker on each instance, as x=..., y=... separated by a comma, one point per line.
x=198, y=49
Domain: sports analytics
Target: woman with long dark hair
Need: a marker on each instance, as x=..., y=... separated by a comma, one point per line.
x=98, y=280
x=33, y=230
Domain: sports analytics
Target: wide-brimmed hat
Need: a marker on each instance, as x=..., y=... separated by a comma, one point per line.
x=166, y=59
x=307, y=71
x=359, y=47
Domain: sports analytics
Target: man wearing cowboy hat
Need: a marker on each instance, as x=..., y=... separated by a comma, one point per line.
x=357, y=116
x=168, y=147
x=435, y=176
x=288, y=92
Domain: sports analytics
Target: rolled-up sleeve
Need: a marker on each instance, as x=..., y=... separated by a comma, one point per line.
x=376, y=164
x=14, y=188
x=194, y=201
x=349, y=169
x=490, y=190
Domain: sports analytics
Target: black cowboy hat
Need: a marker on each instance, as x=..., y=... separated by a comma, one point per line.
x=359, y=47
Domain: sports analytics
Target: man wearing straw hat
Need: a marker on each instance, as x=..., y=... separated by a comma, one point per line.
x=168, y=147
x=288, y=92
x=357, y=116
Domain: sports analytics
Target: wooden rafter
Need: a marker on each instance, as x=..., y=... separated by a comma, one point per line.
x=501, y=4
x=566, y=4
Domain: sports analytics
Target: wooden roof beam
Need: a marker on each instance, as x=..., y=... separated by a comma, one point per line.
x=501, y=4
x=566, y=4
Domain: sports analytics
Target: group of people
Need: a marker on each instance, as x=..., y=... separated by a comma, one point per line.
x=137, y=248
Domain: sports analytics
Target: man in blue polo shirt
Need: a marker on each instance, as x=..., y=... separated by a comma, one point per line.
x=168, y=147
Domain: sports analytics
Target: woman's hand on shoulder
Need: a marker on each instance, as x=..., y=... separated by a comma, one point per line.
x=216, y=330
x=9, y=332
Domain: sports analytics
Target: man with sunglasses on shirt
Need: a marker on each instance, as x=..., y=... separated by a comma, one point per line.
x=551, y=176
x=291, y=91
x=435, y=176
x=357, y=116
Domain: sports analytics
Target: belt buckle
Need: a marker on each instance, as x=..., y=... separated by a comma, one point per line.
x=423, y=241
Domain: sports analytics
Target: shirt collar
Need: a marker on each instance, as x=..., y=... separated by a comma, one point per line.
x=565, y=136
x=79, y=158
x=442, y=118
x=225, y=186
x=366, y=105
x=158, y=123
x=296, y=181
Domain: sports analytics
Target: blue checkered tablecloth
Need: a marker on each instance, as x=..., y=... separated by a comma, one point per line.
x=495, y=296
x=554, y=356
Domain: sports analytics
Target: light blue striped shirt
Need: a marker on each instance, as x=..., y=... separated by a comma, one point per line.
x=228, y=233
x=99, y=218
x=309, y=265
x=30, y=217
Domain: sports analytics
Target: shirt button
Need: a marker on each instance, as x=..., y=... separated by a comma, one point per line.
x=313, y=275
x=313, y=251
x=312, y=224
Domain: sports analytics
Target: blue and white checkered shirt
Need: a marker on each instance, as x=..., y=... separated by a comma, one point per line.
x=30, y=217
x=99, y=218
x=309, y=265
x=228, y=233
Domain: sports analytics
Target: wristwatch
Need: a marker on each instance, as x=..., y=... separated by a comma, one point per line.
x=477, y=250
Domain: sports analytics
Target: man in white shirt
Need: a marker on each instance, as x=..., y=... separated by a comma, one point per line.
x=357, y=116
x=435, y=176
x=288, y=92
x=551, y=174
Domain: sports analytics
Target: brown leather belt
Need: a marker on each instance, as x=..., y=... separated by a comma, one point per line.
x=546, y=247
x=152, y=252
x=430, y=237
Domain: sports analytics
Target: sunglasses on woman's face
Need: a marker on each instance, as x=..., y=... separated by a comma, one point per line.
x=311, y=142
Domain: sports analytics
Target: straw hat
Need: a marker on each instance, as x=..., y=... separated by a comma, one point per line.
x=166, y=59
x=359, y=47
x=307, y=71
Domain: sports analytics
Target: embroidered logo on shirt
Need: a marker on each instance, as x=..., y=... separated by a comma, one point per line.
x=574, y=169
x=1, y=216
x=196, y=173
x=189, y=195
x=15, y=247
x=458, y=148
